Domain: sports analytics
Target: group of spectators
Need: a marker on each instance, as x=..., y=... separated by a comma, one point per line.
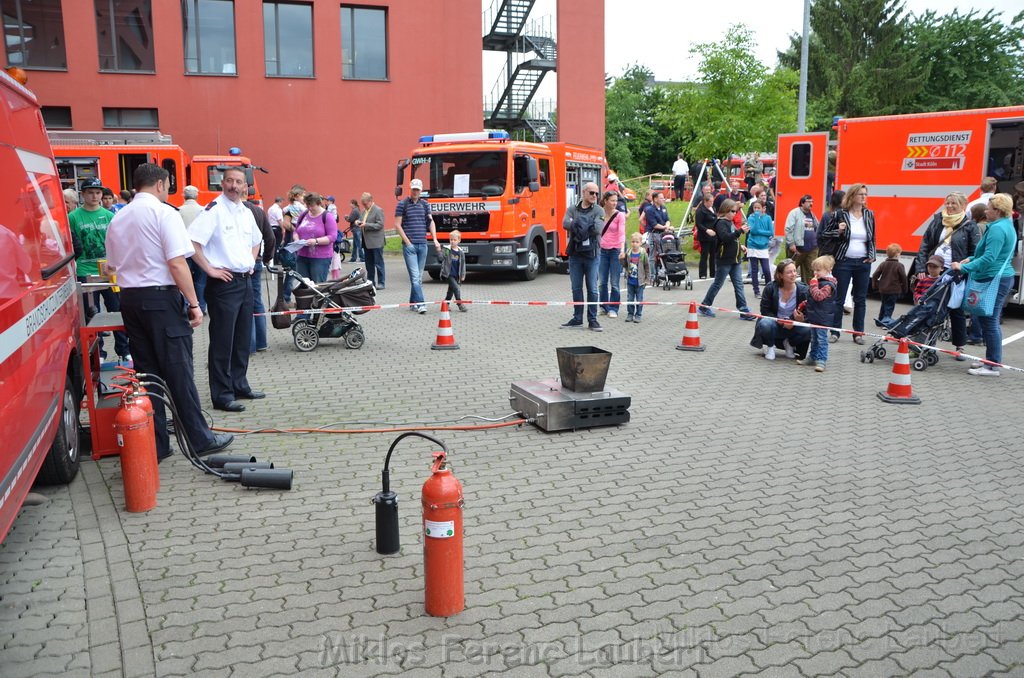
x=975, y=241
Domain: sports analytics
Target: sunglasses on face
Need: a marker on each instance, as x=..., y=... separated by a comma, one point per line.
x=592, y=193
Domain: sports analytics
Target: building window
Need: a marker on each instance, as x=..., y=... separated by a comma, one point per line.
x=124, y=30
x=131, y=118
x=364, y=43
x=34, y=34
x=209, y=29
x=57, y=117
x=288, y=39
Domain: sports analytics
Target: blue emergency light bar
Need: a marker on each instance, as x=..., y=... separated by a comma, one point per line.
x=234, y=150
x=486, y=135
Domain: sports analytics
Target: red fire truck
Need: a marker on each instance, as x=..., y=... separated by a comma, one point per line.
x=506, y=197
x=113, y=156
x=910, y=163
x=40, y=365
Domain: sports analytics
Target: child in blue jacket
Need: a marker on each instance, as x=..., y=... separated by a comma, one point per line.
x=759, y=239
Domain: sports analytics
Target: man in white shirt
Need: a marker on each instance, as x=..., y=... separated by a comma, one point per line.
x=679, y=171
x=147, y=246
x=227, y=241
x=189, y=210
x=988, y=189
x=274, y=215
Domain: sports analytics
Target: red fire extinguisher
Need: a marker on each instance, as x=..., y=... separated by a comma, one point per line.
x=442, y=540
x=136, y=437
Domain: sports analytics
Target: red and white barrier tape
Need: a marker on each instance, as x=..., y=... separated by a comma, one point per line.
x=758, y=316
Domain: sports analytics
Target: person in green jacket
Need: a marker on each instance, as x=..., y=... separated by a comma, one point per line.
x=992, y=260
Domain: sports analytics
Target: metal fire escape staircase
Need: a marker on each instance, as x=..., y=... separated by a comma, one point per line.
x=531, y=53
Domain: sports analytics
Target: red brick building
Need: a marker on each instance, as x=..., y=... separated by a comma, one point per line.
x=325, y=93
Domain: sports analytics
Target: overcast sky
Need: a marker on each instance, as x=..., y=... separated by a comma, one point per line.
x=659, y=34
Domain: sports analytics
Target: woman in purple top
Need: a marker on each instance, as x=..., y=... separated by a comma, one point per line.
x=318, y=229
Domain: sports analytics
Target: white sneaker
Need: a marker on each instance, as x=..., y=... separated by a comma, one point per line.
x=769, y=353
x=976, y=365
x=613, y=314
x=984, y=371
x=790, y=353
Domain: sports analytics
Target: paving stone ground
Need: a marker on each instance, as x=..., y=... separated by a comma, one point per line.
x=754, y=517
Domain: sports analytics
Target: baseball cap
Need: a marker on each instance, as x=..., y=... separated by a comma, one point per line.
x=612, y=176
x=416, y=184
x=91, y=183
x=937, y=261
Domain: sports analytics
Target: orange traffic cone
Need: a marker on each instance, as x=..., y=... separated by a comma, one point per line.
x=445, y=337
x=899, y=390
x=691, y=333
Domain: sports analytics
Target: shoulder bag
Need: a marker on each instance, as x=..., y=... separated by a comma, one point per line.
x=980, y=296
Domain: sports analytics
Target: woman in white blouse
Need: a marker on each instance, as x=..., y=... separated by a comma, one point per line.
x=852, y=234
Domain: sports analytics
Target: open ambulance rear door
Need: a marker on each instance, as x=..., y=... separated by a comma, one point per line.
x=802, y=169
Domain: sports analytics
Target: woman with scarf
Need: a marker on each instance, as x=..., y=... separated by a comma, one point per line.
x=952, y=235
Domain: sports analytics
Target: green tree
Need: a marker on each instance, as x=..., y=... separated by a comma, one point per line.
x=636, y=141
x=974, y=60
x=861, y=60
x=737, y=104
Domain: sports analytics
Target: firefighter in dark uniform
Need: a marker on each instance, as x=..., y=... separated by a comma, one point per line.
x=227, y=241
x=147, y=245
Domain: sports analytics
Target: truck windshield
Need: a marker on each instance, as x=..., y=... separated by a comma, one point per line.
x=457, y=175
x=216, y=172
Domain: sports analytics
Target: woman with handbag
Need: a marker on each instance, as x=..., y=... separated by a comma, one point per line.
x=852, y=233
x=952, y=235
x=990, y=276
x=317, y=229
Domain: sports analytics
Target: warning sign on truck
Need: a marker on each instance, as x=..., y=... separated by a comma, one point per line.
x=937, y=150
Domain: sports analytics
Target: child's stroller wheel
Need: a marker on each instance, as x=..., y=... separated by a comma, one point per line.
x=932, y=358
x=946, y=334
x=306, y=338
x=863, y=356
x=880, y=352
x=920, y=365
x=355, y=338
x=689, y=284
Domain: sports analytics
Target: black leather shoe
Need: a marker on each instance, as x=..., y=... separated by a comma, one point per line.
x=220, y=441
x=253, y=395
x=233, y=406
x=160, y=459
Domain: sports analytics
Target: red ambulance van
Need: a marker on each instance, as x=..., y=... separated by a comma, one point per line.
x=40, y=365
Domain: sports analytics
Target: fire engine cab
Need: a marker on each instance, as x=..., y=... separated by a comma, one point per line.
x=910, y=163
x=40, y=363
x=113, y=156
x=506, y=197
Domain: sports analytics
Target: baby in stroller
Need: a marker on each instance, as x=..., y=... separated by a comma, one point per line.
x=669, y=262
x=927, y=323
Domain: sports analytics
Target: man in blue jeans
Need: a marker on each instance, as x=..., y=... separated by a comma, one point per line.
x=582, y=224
x=412, y=220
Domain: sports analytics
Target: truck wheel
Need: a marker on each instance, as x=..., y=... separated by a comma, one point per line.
x=534, y=261
x=61, y=463
x=434, y=275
